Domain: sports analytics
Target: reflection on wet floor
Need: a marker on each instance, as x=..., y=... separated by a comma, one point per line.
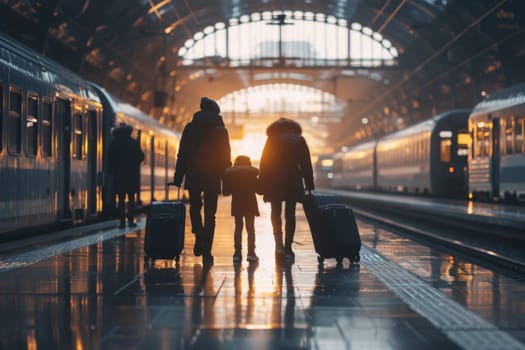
x=101, y=297
x=499, y=299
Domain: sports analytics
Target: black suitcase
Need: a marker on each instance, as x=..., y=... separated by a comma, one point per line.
x=311, y=204
x=333, y=227
x=164, y=238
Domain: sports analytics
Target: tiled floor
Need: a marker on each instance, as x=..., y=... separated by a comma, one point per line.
x=98, y=295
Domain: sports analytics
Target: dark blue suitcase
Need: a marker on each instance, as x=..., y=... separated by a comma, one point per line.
x=311, y=204
x=164, y=238
x=333, y=227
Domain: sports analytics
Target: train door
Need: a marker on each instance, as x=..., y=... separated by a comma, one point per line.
x=92, y=151
x=152, y=157
x=166, y=166
x=63, y=154
x=139, y=200
x=495, y=157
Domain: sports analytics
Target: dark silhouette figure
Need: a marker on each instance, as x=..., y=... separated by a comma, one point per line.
x=241, y=182
x=285, y=164
x=125, y=156
x=204, y=154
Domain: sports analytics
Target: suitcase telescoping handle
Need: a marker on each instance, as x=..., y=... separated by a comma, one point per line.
x=178, y=189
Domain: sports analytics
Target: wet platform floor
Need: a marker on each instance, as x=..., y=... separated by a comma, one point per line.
x=95, y=293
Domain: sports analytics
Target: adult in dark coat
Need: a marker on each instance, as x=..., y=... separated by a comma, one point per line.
x=124, y=158
x=285, y=173
x=204, y=154
x=241, y=182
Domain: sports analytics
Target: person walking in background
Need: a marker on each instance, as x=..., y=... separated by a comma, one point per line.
x=124, y=158
x=204, y=155
x=241, y=182
x=285, y=164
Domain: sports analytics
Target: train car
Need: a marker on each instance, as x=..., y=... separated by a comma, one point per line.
x=324, y=171
x=48, y=157
x=497, y=156
x=158, y=143
x=429, y=157
x=355, y=167
x=54, y=131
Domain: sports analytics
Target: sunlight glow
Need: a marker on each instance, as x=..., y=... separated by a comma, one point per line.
x=251, y=145
x=305, y=36
x=256, y=107
x=281, y=98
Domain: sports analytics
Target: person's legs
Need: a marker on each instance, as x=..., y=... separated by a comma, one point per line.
x=121, y=209
x=210, y=208
x=276, y=208
x=131, y=209
x=196, y=220
x=237, y=238
x=289, y=214
x=250, y=228
x=195, y=210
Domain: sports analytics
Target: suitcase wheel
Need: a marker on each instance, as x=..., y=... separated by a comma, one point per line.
x=320, y=260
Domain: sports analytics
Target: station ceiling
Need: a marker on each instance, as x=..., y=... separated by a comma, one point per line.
x=450, y=52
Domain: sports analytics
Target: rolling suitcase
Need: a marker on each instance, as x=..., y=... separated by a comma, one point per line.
x=311, y=204
x=333, y=227
x=164, y=238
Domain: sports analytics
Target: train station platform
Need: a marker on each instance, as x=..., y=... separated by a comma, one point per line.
x=93, y=292
x=496, y=214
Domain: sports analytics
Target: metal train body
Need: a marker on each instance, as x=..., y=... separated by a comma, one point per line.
x=355, y=168
x=429, y=157
x=324, y=171
x=497, y=155
x=54, y=129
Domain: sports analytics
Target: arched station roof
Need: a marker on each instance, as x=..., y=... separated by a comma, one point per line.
x=449, y=52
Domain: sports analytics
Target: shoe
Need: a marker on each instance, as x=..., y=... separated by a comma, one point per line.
x=237, y=257
x=207, y=260
x=197, y=249
x=122, y=224
x=252, y=258
x=132, y=224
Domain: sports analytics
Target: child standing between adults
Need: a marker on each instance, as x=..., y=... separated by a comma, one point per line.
x=241, y=181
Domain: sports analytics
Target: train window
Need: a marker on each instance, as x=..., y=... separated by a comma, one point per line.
x=482, y=144
x=444, y=150
x=47, y=109
x=172, y=156
x=519, y=144
x=463, y=140
x=145, y=145
x=14, y=123
x=78, y=130
x=509, y=138
x=32, y=125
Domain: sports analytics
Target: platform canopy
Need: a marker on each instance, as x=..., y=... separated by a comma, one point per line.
x=446, y=53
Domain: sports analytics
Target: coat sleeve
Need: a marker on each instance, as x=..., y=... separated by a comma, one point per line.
x=256, y=182
x=264, y=165
x=226, y=154
x=226, y=184
x=305, y=163
x=180, y=166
